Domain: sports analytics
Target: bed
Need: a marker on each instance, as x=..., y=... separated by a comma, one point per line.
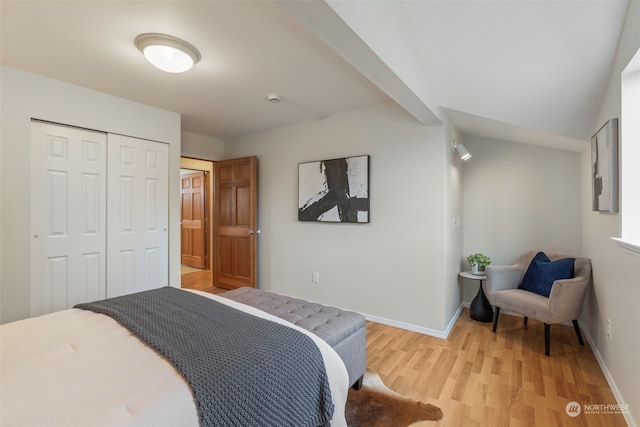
x=77, y=367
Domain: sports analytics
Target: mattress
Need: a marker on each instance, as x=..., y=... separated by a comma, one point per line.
x=79, y=368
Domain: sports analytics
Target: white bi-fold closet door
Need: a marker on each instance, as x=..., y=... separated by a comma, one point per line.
x=137, y=215
x=99, y=216
x=68, y=216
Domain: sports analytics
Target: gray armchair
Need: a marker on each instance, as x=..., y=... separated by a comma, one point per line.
x=564, y=302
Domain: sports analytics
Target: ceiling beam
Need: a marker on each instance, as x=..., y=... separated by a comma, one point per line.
x=330, y=28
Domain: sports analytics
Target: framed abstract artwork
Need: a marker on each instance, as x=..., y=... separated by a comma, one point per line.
x=335, y=190
x=604, y=167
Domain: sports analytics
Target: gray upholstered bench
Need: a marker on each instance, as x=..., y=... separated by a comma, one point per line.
x=342, y=330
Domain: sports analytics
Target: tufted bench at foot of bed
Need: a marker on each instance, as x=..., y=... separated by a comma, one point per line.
x=342, y=330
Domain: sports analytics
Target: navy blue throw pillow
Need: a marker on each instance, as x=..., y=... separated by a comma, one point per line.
x=542, y=272
x=530, y=276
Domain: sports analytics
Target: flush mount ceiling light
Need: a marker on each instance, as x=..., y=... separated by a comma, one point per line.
x=167, y=53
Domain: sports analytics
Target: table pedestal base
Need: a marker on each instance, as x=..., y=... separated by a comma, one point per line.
x=480, y=308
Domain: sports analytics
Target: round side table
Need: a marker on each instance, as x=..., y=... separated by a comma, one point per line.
x=480, y=308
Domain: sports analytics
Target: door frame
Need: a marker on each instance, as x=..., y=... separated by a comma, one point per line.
x=206, y=166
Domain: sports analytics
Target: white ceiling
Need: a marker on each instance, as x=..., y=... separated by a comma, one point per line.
x=541, y=65
x=249, y=50
x=524, y=71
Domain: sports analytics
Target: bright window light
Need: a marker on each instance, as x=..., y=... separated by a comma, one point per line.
x=630, y=151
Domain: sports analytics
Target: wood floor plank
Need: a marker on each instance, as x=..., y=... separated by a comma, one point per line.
x=484, y=380
x=480, y=378
x=200, y=281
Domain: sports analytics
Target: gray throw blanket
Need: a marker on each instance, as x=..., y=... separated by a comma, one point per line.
x=242, y=370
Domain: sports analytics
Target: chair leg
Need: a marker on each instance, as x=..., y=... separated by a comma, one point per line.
x=577, y=328
x=495, y=318
x=526, y=320
x=547, y=338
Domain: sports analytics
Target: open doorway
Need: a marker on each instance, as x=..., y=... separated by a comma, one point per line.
x=196, y=238
x=223, y=236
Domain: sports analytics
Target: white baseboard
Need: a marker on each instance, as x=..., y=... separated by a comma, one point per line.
x=453, y=321
x=607, y=374
x=414, y=328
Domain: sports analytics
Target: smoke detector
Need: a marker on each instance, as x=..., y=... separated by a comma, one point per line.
x=273, y=98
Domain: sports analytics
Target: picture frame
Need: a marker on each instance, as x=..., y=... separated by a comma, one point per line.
x=334, y=190
x=604, y=168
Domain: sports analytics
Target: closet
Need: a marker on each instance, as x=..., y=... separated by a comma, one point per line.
x=99, y=216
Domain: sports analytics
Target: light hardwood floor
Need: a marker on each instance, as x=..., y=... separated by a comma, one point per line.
x=479, y=378
x=201, y=281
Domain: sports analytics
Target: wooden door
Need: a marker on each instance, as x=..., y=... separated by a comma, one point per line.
x=138, y=212
x=68, y=216
x=235, y=223
x=192, y=219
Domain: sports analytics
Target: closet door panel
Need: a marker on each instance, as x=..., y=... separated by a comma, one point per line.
x=68, y=217
x=138, y=213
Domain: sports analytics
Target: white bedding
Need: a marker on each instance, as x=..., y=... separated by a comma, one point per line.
x=79, y=368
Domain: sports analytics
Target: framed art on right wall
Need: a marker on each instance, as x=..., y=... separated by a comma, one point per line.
x=604, y=167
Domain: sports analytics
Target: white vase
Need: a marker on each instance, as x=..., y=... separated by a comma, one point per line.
x=478, y=270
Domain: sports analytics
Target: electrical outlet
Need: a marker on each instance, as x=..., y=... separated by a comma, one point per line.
x=315, y=277
x=609, y=333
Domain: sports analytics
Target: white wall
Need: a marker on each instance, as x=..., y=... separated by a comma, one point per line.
x=391, y=268
x=616, y=289
x=452, y=234
x=25, y=96
x=201, y=147
x=518, y=198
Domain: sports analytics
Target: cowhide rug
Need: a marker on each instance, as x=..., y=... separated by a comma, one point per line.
x=376, y=405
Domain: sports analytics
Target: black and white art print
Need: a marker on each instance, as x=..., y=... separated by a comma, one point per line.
x=335, y=190
x=604, y=167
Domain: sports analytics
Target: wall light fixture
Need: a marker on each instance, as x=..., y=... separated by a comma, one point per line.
x=462, y=152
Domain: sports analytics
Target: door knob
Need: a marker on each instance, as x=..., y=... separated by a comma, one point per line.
x=254, y=231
